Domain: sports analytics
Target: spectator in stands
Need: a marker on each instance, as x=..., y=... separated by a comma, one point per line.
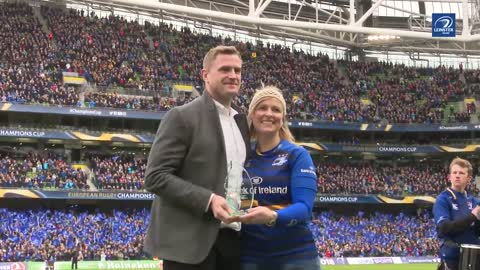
x=187, y=171
x=455, y=213
x=278, y=239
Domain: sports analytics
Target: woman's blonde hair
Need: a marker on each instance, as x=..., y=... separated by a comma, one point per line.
x=262, y=94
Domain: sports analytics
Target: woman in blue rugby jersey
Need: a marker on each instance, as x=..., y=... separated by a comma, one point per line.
x=275, y=233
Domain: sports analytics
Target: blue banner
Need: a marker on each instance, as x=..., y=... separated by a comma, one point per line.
x=24, y=133
x=75, y=135
x=330, y=147
x=368, y=199
x=149, y=138
x=95, y=112
x=325, y=198
x=76, y=194
x=384, y=128
x=326, y=125
x=379, y=260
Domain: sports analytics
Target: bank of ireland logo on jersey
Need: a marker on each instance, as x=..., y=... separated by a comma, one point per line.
x=443, y=25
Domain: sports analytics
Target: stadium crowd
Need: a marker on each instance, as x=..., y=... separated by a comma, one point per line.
x=35, y=235
x=113, y=100
x=40, y=171
x=472, y=76
x=414, y=179
x=28, y=70
x=38, y=235
x=125, y=172
x=119, y=172
x=114, y=52
x=104, y=50
x=373, y=235
x=404, y=94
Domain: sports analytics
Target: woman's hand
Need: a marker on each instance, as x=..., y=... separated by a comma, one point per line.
x=258, y=215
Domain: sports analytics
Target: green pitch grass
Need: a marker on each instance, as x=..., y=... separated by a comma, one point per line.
x=419, y=266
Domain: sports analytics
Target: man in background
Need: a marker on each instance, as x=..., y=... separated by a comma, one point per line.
x=456, y=213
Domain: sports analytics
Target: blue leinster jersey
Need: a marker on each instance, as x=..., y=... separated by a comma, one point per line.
x=453, y=205
x=284, y=180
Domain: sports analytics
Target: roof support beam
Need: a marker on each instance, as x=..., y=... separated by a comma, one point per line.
x=286, y=23
x=332, y=13
x=466, y=27
x=352, y=16
x=368, y=13
x=261, y=8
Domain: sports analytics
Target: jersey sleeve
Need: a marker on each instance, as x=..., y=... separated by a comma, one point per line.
x=303, y=173
x=304, y=187
x=441, y=211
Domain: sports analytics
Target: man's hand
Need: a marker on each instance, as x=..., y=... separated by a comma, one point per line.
x=220, y=209
x=476, y=212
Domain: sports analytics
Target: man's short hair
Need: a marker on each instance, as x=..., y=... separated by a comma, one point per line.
x=212, y=54
x=463, y=163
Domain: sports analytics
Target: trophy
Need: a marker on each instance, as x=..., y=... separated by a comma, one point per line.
x=239, y=189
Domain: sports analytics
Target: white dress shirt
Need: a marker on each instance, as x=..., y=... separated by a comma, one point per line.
x=234, y=148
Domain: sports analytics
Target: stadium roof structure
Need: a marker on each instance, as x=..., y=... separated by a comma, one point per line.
x=378, y=25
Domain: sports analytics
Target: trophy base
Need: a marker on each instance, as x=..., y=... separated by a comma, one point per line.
x=236, y=226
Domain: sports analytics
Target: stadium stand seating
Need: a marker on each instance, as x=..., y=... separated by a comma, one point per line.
x=112, y=52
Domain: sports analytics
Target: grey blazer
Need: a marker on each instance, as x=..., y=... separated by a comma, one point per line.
x=187, y=162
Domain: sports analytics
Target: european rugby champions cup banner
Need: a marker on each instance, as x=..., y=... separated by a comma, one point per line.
x=12, y=193
x=443, y=25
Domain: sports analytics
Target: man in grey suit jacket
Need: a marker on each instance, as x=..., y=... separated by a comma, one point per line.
x=187, y=168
